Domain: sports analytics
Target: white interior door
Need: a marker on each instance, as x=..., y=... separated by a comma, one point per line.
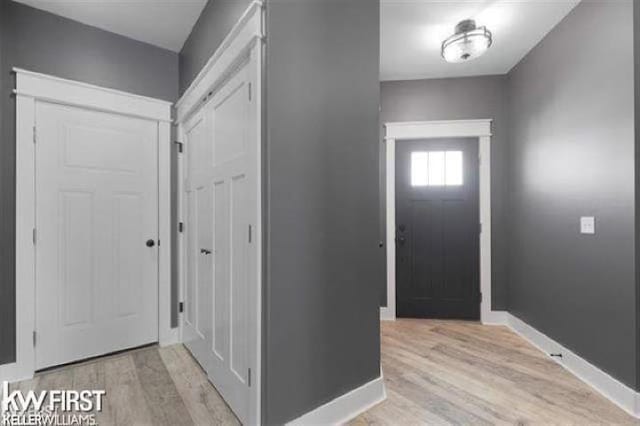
x=199, y=271
x=96, y=217
x=222, y=198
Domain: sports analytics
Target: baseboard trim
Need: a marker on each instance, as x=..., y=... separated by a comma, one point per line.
x=494, y=318
x=387, y=314
x=170, y=337
x=489, y=318
x=612, y=389
x=347, y=406
x=14, y=373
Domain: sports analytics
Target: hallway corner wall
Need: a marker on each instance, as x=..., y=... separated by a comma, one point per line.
x=216, y=20
x=322, y=335
x=571, y=154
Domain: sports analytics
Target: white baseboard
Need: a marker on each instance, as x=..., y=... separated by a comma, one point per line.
x=489, y=318
x=494, y=318
x=170, y=337
x=14, y=373
x=617, y=392
x=387, y=314
x=347, y=406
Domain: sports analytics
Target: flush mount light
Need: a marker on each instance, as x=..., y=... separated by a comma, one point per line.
x=468, y=42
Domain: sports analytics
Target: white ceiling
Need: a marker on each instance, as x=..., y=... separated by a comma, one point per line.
x=412, y=32
x=163, y=23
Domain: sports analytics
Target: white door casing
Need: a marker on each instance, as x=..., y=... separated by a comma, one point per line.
x=37, y=89
x=96, y=206
x=219, y=122
x=403, y=131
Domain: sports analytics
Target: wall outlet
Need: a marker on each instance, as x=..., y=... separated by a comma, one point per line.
x=588, y=225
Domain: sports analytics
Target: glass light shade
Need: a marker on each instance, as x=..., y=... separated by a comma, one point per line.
x=468, y=43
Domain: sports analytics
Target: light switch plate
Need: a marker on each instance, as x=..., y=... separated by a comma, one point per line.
x=588, y=225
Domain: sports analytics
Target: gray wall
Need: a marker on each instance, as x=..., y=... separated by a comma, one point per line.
x=215, y=22
x=457, y=99
x=572, y=154
x=636, y=57
x=7, y=216
x=322, y=288
x=42, y=42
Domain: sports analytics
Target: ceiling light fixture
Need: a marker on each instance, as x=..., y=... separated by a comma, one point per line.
x=468, y=42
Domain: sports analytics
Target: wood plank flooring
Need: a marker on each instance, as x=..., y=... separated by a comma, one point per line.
x=436, y=373
x=455, y=372
x=148, y=386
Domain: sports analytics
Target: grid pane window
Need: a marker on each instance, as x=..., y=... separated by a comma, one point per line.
x=436, y=168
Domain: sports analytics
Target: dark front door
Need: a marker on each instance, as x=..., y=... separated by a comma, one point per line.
x=437, y=229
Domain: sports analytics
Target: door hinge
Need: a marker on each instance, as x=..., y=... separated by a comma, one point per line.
x=480, y=228
x=180, y=146
x=249, y=377
x=249, y=92
x=181, y=307
x=480, y=297
x=35, y=236
x=250, y=232
x=34, y=338
x=181, y=227
x=35, y=134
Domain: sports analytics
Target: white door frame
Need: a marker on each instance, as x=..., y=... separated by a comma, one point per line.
x=34, y=87
x=403, y=131
x=243, y=43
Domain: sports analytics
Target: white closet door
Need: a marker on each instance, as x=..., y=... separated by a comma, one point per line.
x=97, y=217
x=199, y=273
x=229, y=114
x=222, y=192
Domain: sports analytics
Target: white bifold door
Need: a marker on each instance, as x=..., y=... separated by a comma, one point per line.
x=96, y=232
x=221, y=206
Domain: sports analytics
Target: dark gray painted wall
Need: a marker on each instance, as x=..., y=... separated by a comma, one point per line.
x=215, y=22
x=636, y=60
x=42, y=42
x=571, y=116
x=322, y=287
x=7, y=215
x=48, y=43
x=457, y=99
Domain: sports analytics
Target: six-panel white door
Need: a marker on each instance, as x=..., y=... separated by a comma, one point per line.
x=221, y=189
x=97, y=217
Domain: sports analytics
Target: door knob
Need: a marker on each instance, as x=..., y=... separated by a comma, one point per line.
x=401, y=240
x=205, y=251
x=151, y=243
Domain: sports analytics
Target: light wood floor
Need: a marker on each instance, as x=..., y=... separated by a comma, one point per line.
x=454, y=372
x=149, y=386
x=436, y=373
